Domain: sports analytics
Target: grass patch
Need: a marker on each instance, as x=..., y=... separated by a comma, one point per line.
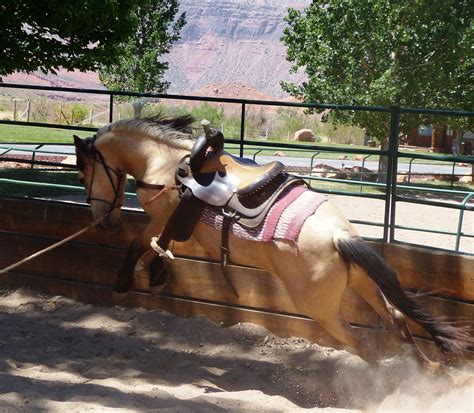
x=438, y=184
x=30, y=177
x=36, y=134
x=249, y=151
x=25, y=189
x=20, y=134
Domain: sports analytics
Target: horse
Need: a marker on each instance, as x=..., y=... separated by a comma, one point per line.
x=331, y=255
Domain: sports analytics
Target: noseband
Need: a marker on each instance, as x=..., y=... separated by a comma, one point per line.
x=99, y=158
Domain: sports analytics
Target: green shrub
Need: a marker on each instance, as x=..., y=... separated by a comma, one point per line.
x=213, y=114
x=79, y=112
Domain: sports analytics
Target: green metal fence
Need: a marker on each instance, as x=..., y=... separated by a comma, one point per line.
x=391, y=192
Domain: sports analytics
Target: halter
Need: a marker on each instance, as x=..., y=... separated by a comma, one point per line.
x=99, y=158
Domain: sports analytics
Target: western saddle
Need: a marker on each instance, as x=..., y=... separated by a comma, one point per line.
x=241, y=189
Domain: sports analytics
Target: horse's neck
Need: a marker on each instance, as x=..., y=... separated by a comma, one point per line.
x=149, y=160
x=161, y=165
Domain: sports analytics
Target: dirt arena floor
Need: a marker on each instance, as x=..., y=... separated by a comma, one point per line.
x=59, y=355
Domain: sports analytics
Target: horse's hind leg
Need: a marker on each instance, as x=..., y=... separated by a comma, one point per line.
x=365, y=287
x=327, y=314
x=342, y=331
x=318, y=294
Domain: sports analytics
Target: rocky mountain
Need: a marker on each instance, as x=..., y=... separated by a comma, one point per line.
x=235, y=41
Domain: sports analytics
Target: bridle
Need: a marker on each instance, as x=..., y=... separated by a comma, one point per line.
x=99, y=158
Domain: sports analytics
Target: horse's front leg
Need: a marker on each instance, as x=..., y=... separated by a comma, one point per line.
x=141, y=244
x=124, y=280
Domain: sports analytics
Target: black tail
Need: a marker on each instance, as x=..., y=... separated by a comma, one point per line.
x=354, y=250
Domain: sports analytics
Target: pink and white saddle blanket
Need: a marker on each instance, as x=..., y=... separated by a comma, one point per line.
x=283, y=221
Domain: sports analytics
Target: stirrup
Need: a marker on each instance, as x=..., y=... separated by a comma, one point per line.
x=166, y=255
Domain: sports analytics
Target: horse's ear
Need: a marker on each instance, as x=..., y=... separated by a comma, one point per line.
x=81, y=151
x=80, y=146
x=78, y=143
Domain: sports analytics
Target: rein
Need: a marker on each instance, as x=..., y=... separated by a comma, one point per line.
x=162, y=188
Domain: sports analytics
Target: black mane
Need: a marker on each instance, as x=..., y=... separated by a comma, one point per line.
x=181, y=123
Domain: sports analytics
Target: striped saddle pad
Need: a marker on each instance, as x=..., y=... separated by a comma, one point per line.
x=283, y=221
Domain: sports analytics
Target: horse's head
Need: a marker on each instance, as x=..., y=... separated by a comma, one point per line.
x=103, y=181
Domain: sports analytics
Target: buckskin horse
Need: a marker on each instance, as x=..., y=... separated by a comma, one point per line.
x=326, y=257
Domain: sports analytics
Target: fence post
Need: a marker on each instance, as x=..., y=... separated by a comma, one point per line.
x=391, y=187
x=28, y=109
x=111, y=108
x=242, y=130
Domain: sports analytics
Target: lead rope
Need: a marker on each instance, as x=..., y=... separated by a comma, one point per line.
x=51, y=247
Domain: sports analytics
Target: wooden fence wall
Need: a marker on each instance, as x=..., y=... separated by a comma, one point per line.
x=85, y=269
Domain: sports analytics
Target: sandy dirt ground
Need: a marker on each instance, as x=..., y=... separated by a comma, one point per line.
x=59, y=355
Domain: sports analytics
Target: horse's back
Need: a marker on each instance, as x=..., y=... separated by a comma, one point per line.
x=321, y=228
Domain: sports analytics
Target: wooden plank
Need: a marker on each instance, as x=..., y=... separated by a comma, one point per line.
x=59, y=220
x=188, y=278
x=384, y=341
x=196, y=280
x=203, y=281
x=450, y=275
x=458, y=313
x=70, y=261
x=256, y=289
x=282, y=325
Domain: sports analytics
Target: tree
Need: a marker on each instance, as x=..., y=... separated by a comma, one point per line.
x=139, y=67
x=383, y=52
x=47, y=35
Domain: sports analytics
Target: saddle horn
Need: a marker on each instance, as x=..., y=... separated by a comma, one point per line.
x=206, y=125
x=214, y=137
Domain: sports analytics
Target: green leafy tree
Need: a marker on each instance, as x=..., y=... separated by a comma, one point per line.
x=382, y=52
x=47, y=35
x=140, y=68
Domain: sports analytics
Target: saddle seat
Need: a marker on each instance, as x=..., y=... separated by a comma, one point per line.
x=244, y=175
x=237, y=184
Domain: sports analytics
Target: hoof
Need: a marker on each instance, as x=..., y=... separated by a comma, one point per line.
x=433, y=366
x=158, y=282
x=436, y=368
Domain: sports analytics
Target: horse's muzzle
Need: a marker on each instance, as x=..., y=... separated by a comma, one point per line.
x=108, y=223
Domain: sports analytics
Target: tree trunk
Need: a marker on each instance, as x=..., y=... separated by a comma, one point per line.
x=137, y=108
x=367, y=136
